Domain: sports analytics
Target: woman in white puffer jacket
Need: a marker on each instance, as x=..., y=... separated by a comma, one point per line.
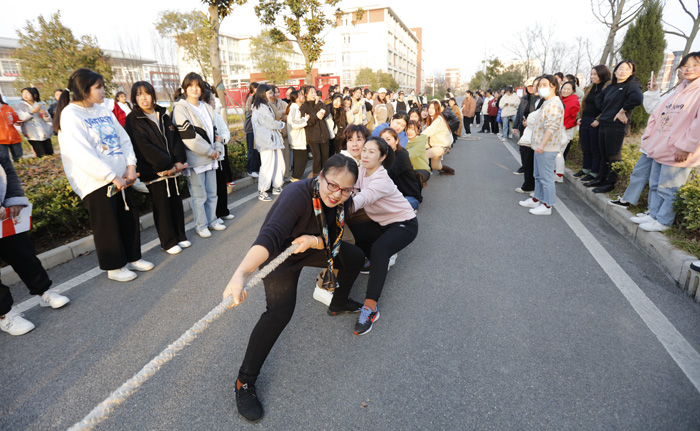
x=269, y=142
x=297, y=134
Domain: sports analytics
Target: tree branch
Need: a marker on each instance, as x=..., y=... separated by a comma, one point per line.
x=693, y=17
x=680, y=33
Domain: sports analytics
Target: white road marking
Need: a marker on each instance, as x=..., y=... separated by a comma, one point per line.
x=687, y=358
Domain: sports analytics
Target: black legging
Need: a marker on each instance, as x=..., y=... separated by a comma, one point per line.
x=467, y=123
x=527, y=155
x=301, y=157
x=320, y=154
x=379, y=243
x=223, y=177
x=486, y=127
x=610, y=142
x=281, y=297
x=42, y=148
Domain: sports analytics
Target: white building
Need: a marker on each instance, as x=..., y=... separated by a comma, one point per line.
x=379, y=41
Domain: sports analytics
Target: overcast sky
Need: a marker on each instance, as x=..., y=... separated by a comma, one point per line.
x=457, y=33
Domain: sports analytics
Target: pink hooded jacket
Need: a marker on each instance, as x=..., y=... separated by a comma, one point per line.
x=674, y=125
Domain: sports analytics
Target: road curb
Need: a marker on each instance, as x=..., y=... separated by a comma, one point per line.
x=675, y=262
x=67, y=252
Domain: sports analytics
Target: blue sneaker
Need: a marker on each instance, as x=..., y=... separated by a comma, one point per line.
x=366, y=320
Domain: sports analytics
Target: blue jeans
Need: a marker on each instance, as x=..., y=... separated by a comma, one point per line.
x=638, y=179
x=508, y=126
x=203, y=192
x=544, y=177
x=16, y=150
x=413, y=201
x=664, y=182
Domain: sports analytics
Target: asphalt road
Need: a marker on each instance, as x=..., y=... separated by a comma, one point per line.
x=493, y=319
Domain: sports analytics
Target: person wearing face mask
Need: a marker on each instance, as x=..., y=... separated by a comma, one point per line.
x=547, y=138
x=160, y=156
x=588, y=123
x=616, y=103
x=310, y=213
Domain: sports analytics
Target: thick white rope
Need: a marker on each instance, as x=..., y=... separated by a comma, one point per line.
x=100, y=413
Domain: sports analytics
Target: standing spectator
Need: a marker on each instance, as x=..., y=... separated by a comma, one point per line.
x=268, y=141
x=400, y=104
x=368, y=98
x=224, y=176
x=359, y=111
x=571, y=109
x=36, y=122
x=588, y=123
x=52, y=107
x=528, y=105
x=479, y=99
x=509, y=104
x=492, y=108
x=18, y=251
x=488, y=98
x=340, y=120
x=279, y=106
x=124, y=105
x=160, y=156
x=468, y=110
x=317, y=135
x=253, y=160
x=194, y=120
x=439, y=138
x=97, y=157
x=616, y=103
x=547, y=136
x=10, y=140
x=296, y=130
x=381, y=108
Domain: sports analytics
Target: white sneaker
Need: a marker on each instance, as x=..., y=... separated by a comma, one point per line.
x=529, y=203
x=174, y=249
x=558, y=179
x=228, y=217
x=653, y=226
x=218, y=226
x=642, y=219
x=520, y=190
x=323, y=296
x=15, y=324
x=642, y=214
x=262, y=196
x=53, y=300
x=204, y=233
x=184, y=244
x=253, y=174
x=541, y=209
x=276, y=190
x=121, y=274
x=392, y=260
x=140, y=265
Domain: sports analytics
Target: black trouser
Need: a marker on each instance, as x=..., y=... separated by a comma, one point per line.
x=610, y=143
x=487, y=124
x=223, y=177
x=477, y=118
x=337, y=145
x=566, y=150
x=253, y=161
x=281, y=298
x=588, y=137
x=168, y=214
x=467, y=124
x=319, y=153
x=42, y=148
x=300, y=159
x=18, y=251
x=379, y=243
x=115, y=230
x=494, y=123
x=527, y=155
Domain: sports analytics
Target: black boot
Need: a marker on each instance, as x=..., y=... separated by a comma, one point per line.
x=604, y=188
x=595, y=183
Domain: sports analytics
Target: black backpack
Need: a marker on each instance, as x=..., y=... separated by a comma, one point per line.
x=451, y=119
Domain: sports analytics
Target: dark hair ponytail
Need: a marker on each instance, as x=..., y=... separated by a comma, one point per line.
x=79, y=83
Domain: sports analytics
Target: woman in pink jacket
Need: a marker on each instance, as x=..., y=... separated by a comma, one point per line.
x=672, y=140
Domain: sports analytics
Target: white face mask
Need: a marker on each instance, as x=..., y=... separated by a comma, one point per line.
x=544, y=92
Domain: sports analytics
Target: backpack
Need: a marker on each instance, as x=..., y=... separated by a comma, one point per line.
x=451, y=119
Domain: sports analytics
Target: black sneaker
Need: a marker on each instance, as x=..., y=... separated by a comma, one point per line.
x=365, y=268
x=347, y=307
x=620, y=203
x=588, y=178
x=580, y=174
x=366, y=320
x=249, y=405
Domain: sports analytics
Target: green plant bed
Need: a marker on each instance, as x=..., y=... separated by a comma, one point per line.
x=684, y=240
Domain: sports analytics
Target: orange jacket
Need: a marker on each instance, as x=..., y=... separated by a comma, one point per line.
x=8, y=134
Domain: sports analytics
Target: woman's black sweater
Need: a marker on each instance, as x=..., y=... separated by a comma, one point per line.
x=624, y=95
x=404, y=176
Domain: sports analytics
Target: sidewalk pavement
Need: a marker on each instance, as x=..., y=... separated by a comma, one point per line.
x=64, y=253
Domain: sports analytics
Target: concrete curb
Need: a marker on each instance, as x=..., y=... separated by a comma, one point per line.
x=64, y=253
x=675, y=262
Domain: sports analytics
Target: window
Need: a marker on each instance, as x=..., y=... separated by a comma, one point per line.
x=7, y=89
x=9, y=68
x=346, y=59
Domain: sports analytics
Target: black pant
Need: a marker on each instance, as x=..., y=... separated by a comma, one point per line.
x=18, y=251
x=337, y=145
x=42, y=148
x=116, y=230
x=610, y=143
x=467, y=124
x=487, y=124
x=494, y=123
x=588, y=137
x=300, y=159
x=281, y=298
x=319, y=153
x=527, y=155
x=223, y=177
x=379, y=243
x=253, y=161
x=168, y=214
x=477, y=118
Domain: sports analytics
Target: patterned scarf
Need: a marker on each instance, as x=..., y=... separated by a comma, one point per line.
x=329, y=280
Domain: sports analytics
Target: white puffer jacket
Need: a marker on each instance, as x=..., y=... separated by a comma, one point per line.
x=295, y=128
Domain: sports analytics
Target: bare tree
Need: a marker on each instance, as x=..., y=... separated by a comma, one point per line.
x=546, y=38
x=559, y=56
x=689, y=38
x=165, y=54
x=525, y=49
x=614, y=14
x=129, y=63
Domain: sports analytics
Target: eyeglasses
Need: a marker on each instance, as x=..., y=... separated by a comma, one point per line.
x=333, y=188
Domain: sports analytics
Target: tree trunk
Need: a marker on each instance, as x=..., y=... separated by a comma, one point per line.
x=215, y=60
x=614, y=27
x=691, y=36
